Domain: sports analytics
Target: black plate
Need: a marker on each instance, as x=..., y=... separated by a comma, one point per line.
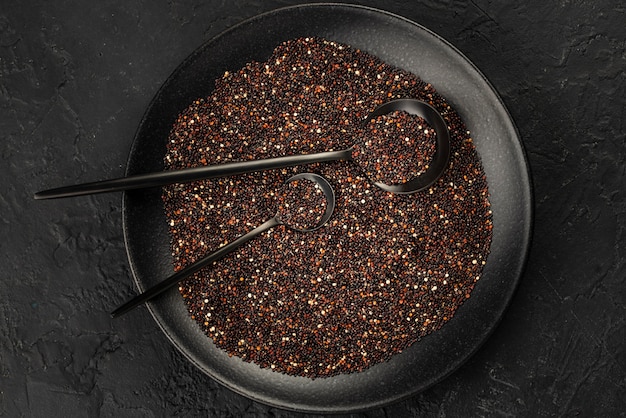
x=398, y=42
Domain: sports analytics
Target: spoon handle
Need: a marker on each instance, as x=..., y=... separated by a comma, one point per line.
x=193, y=268
x=190, y=174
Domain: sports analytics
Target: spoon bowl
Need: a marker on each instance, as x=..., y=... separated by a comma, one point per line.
x=441, y=158
x=329, y=196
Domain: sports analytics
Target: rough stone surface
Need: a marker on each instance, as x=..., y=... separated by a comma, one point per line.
x=75, y=78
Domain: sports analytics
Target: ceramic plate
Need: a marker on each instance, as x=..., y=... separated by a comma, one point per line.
x=398, y=42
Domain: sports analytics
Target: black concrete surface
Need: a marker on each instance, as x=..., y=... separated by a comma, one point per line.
x=75, y=79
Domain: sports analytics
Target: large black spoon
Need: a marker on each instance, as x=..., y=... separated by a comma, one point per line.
x=412, y=106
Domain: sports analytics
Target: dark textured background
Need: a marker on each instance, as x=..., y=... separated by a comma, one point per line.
x=75, y=78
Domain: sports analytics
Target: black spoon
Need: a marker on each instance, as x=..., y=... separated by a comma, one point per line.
x=159, y=288
x=411, y=106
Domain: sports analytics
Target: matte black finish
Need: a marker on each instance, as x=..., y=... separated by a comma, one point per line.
x=398, y=42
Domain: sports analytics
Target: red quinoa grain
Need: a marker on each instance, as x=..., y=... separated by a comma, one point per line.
x=384, y=272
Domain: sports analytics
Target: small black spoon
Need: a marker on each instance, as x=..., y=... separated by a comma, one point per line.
x=159, y=288
x=411, y=106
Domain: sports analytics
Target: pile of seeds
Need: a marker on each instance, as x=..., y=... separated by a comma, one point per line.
x=385, y=271
x=302, y=204
x=397, y=148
